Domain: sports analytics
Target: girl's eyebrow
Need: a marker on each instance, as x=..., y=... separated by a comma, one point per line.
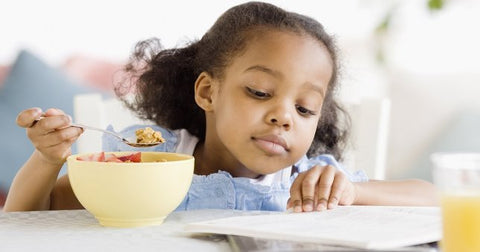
x=264, y=69
x=315, y=88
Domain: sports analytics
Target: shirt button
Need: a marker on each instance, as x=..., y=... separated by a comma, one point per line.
x=219, y=192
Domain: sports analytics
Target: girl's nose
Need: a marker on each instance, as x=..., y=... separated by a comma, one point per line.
x=280, y=117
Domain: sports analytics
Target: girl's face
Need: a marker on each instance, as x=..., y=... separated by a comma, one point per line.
x=265, y=110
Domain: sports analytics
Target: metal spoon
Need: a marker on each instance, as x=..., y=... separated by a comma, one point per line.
x=133, y=144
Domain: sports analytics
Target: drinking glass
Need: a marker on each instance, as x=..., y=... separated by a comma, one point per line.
x=457, y=177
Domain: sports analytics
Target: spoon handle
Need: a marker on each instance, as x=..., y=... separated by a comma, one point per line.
x=133, y=144
x=78, y=125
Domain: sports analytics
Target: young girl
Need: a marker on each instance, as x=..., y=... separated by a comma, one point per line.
x=253, y=101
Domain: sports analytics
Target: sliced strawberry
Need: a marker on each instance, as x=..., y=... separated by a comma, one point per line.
x=135, y=157
x=112, y=158
x=83, y=158
x=98, y=157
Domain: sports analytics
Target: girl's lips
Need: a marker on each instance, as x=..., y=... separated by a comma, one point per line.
x=271, y=144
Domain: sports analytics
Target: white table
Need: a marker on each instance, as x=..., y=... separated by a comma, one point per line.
x=78, y=230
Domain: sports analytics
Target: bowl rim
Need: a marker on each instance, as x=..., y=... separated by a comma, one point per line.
x=187, y=157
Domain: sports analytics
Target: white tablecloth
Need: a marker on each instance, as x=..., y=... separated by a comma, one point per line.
x=78, y=230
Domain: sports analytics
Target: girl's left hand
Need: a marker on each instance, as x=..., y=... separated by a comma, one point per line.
x=320, y=188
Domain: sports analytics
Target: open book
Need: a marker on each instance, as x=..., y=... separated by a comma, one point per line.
x=364, y=227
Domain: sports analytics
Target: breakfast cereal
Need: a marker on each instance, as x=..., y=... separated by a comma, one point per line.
x=148, y=135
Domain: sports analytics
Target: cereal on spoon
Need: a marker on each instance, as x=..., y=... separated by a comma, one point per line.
x=148, y=135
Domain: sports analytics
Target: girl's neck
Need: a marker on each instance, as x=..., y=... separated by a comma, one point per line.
x=201, y=160
x=210, y=161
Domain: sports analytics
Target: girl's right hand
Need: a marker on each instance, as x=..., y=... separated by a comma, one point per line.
x=51, y=136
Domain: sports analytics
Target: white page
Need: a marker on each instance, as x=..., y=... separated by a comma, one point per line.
x=370, y=227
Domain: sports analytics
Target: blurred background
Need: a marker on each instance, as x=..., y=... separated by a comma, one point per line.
x=422, y=55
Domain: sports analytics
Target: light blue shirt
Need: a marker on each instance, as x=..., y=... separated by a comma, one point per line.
x=222, y=191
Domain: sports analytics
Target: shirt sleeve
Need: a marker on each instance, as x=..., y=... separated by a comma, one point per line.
x=307, y=163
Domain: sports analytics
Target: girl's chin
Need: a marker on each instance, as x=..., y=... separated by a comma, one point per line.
x=258, y=169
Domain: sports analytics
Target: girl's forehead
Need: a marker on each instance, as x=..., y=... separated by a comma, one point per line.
x=285, y=51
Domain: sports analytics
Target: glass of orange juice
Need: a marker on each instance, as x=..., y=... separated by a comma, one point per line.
x=457, y=176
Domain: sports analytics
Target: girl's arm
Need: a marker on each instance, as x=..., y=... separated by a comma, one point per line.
x=325, y=187
x=403, y=192
x=35, y=187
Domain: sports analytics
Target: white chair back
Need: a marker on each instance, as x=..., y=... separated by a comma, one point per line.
x=367, y=150
x=369, y=136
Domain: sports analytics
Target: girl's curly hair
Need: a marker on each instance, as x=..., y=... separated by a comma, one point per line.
x=164, y=78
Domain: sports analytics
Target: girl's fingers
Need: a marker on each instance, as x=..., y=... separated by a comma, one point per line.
x=295, y=201
x=57, y=137
x=67, y=135
x=49, y=132
x=54, y=112
x=324, y=187
x=308, y=188
x=338, y=187
x=319, y=188
x=58, y=153
x=51, y=123
x=56, y=147
x=26, y=118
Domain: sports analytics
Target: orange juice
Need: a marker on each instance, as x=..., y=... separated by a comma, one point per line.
x=461, y=223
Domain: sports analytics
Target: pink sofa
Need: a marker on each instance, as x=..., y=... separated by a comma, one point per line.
x=86, y=69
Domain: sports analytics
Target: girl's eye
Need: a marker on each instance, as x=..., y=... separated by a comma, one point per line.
x=258, y=94
x=305, y=112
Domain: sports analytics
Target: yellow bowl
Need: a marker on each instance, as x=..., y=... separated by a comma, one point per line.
x=131, y=194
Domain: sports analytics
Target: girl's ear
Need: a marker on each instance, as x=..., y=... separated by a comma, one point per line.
x=204, y=91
